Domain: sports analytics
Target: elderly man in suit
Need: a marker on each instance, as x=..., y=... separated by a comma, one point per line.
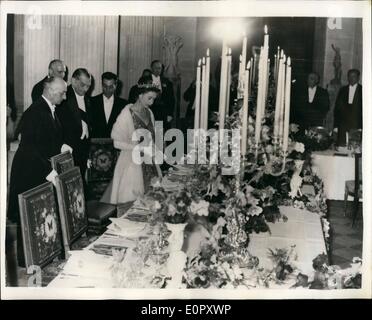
x=106, y=107
x=56, y=69
x=74, y=114
x=41, y=138
x=348, y=111
x=163, y=107
x=311, y=103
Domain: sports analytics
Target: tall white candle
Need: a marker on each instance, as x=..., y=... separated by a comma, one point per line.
x=277, y=66
x=206, y=96
x=240, y=78
x=229, y=65
x=244, y=128
x=266, y=69
x=244, y=53
x=282, y=101
x=267, y=81
x=287, y=104
x=260, y=97
x=197, y=96
x=277, y=103
x=202, y=103
x=243, y=62
x=223, y=84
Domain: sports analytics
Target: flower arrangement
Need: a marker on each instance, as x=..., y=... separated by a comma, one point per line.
x=331, y=276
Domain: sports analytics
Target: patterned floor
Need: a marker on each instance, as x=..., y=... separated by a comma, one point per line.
x=346, y=241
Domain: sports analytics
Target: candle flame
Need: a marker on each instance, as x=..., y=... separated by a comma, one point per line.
x=229, y=52
x=265, y=29
x=282, y=53
x=240, y=58
x=249, y=64
x=199, y=62
x=289, y=61
x=208, y=52
x=203, y=60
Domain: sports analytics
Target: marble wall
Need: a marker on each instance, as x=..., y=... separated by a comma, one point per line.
x=80, y=41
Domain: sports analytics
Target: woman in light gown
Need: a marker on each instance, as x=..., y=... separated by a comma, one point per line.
x=131, y=180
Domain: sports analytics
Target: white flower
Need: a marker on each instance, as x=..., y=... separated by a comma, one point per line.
x=299, y=147
x=254, y=211
x=157, y=205
x=171, y=210
x=221, y=221
x=294, y=127
x=156, y=183
x=200, y=208
x=249, y=189
x=213, y=259
x=237, y=272
x=253, y=201
x=269, y=148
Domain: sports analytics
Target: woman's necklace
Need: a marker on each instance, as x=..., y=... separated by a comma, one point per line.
x=141, y=113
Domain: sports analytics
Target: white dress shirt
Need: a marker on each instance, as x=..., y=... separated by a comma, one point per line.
x=156, y=81
x=51, y=106
x=80, y=101
x=352, y=92
x=107, y=106
x=312, y=92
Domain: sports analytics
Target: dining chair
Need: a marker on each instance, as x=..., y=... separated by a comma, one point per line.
x=354, y=188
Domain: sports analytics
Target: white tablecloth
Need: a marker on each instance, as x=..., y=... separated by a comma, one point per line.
x=334, y=170
x=303, y=229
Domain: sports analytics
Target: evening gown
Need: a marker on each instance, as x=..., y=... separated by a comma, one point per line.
x=131, y=180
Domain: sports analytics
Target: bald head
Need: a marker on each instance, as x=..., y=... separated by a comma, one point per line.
x=55, y=90
x=313, y=79
x=57, y=69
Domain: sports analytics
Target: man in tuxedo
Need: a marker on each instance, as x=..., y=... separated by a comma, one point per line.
x=348, y=107
x=74, y=114
x=189, y=97
x=56, y=69
x=163, y=107
x=311, y=104
x=106, y=107
x=41, y=138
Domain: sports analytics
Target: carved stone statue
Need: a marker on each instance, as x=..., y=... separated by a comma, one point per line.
x=337, y=66
x=172, y=45
x=296, y=180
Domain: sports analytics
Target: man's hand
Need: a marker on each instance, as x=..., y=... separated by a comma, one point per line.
x=85, y=130
x=8, y=111
x=65, y=148
x=335, y=130
x=169, y=118
x=51, y=177
x=89, y=163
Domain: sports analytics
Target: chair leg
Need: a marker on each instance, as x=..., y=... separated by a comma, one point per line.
x=345, y=201
x=355, y=209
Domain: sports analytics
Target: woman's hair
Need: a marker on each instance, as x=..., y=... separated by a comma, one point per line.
x=145, y=85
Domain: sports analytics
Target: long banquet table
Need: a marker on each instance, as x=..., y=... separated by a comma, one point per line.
x=86, y=268
x=334, y=170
